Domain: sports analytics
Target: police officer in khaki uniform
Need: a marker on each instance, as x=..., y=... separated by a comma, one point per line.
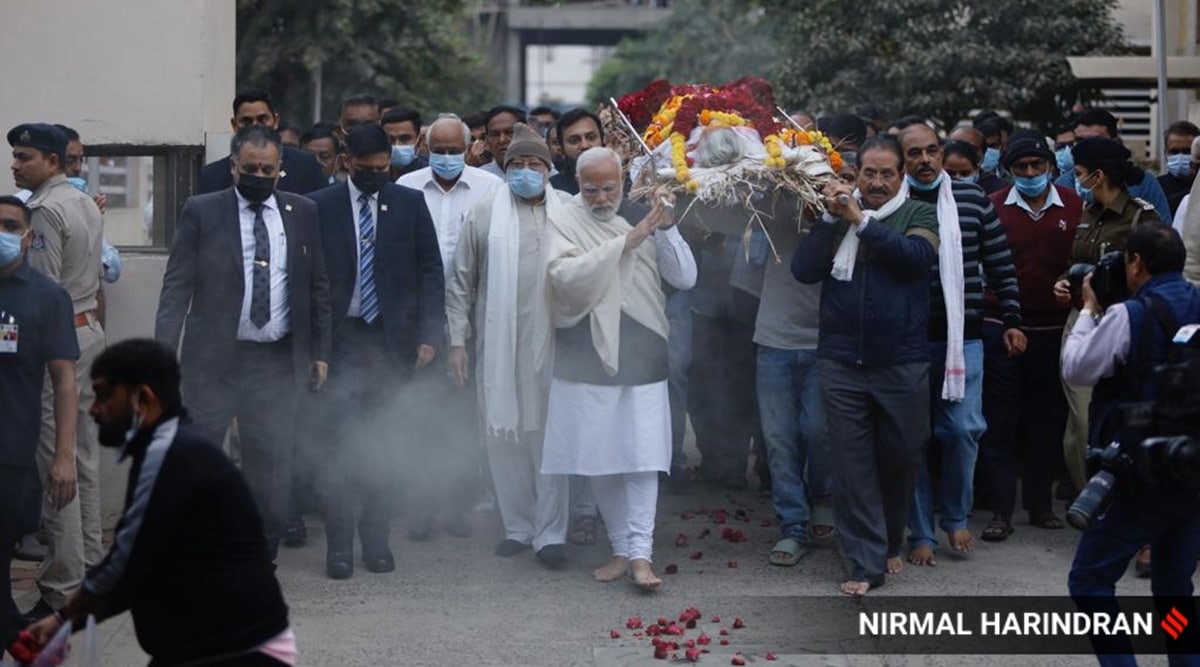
x=66, y=247
x=1103, y=173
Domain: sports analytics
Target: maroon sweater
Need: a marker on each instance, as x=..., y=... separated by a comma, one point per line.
x=1041, y=251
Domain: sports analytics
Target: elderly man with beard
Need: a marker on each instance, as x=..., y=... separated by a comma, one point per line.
x=608, y=416
x=956, y=339
x=872, y=255
x=495, y=294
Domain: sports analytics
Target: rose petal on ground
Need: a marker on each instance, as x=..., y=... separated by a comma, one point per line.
x=671, y=569
x=724, y=632
x=703, y=639
x=724, y=642
x=614, y=634
x=697, y=555
x=732, y=565
x=681, y=540
x=738, y=624
x=692, y=654
x=634, y=622
x=715, y=619
x=771, y=656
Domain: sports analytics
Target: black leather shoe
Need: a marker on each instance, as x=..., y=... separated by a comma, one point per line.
x=553, y=556
x=40, y=610
x=510, y=548
x=295, y=534
x=379, y=562
x=339, y=565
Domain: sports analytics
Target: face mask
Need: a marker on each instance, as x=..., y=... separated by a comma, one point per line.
x=79, y=183
x=402, y=156
x=924, y=187
x=526, y=183
x=991, y=159
x=1031, y=186
x=1180, y=166
x=1065, y=159
x=1084, y=193
x=10, y=247
x=447, y=167
x=370, y=182
x=255, y=189
x=973, y=178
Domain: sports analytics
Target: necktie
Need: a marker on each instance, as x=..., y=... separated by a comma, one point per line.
x=368, y=307
x=260, y=287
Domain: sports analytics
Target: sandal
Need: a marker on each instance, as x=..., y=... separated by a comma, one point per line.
x=997, y=530
x=1046, y=520
x=787, y=552
x=583, y=531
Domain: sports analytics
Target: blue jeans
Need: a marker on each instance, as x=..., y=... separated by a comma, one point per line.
x=679, y=359
x=793, y=422
x=1170, y=523
x=957, y=427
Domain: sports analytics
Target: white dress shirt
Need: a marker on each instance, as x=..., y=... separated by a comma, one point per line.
x=1052, y=199
x=1094, y=350
x=355, y=210
x=1181, y=214
x=450, y=207
x=280, y=323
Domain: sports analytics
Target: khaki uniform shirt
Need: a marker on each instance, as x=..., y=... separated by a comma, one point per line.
x=68, y=234
x=1105, y=228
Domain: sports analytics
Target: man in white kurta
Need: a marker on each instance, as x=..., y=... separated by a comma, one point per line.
x=608, y=416
x=498, y=284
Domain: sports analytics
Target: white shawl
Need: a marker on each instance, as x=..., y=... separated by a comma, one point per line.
x=591, y=275
x=500, y=397
x=950, y=263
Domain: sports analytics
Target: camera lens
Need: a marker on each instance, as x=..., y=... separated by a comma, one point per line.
x=1182, y=458
x=1092, y=501
x=1076, y=274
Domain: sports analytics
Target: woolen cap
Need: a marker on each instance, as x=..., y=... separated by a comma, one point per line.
x=526, y=143
x=42, y=136
x=1026, y=143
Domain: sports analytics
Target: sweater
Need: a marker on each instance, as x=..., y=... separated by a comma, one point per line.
x=986, y=254
x=1041, y=251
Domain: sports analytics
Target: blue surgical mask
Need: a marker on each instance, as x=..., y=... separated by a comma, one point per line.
x=1031, y=186
x=1065, y=159
x=973, y=178
x=10, y=247
x=924, y=187
x=991, y=159
x=1180, y=166
x=447, y=167
x=526, y=183
x=402, y=156
x=79, y=183
x=1084, y=193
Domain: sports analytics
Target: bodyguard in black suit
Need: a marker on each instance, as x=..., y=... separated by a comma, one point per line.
x=299, y=172
x=388, y=295
x=247, y=276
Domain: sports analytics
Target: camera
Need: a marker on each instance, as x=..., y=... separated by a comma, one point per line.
x=1157, y=442
x=1108, y=278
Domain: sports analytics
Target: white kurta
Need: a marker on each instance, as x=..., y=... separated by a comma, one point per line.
x=596, y=430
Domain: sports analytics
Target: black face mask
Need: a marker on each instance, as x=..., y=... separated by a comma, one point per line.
x=255, y=189
x=370, y=182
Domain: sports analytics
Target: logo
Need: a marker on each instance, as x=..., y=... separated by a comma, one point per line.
x=24, y=138
x=1174, y=623
x=1062, y=225
x=39, y=242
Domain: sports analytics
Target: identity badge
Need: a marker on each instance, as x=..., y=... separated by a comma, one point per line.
x=8, y=338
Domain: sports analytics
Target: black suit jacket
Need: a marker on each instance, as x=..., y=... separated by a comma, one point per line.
x=205, y=282
x=408, y=265
x=299, y=173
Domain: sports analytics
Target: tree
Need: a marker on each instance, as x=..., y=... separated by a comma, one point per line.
x=410, y=50
x=939, y=58
x=701, y=41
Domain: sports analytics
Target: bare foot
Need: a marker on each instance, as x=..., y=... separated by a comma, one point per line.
x=923, y=555
x=643, y=576
x=961, y=540
x=895, y=565
x=614, y=569
x=856, y=588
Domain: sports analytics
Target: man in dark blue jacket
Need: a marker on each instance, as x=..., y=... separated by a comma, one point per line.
x=388, y=296
x=872, y=254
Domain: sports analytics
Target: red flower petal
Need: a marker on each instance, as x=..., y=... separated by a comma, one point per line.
x=732, y=565
x=771, y=656
x=662, y=622
x=724, y=642
x=738, y=624
x=697, y=555
x=681, y=540
x=691, y=643
x=634, y=622
x=715, y=619
x=690, y=623
x=614, y=634
x=737, y=660
x=703, y=639
x=692, y=654
x=671, y=569
x=724, y=631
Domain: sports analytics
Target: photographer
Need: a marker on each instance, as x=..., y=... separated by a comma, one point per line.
x=1117, y=353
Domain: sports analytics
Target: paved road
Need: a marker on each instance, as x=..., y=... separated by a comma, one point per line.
x=452, y=603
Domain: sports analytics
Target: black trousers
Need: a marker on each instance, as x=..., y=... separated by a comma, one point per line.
x=364, y=418
x=1026, y=414
x=721, y=395
x=12, y=486
x=260, y=391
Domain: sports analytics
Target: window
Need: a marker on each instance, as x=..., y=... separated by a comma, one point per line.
x=146, y=187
